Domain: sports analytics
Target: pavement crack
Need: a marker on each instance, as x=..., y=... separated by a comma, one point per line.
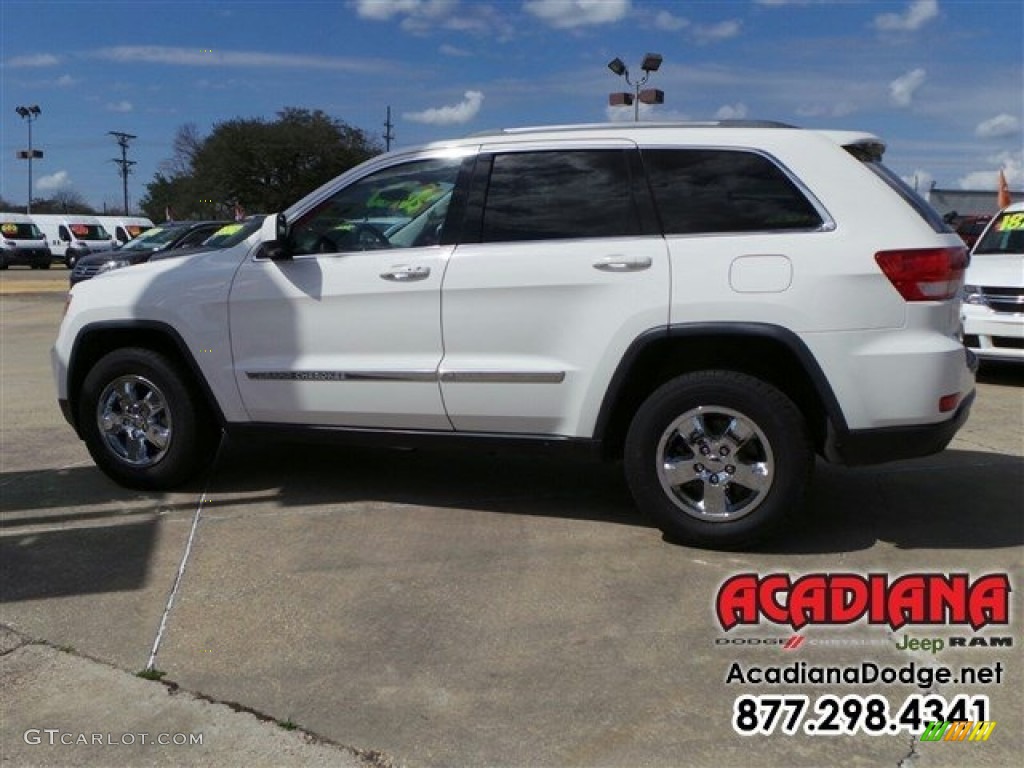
x=179, y=576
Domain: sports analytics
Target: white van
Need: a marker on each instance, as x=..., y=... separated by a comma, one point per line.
x=22, y=242
x=71, y=236
x=125, y=228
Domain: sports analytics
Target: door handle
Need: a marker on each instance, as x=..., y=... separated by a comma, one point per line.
x=623, y=263
x=406, y=274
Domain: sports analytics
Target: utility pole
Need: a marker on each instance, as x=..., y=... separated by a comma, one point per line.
x=388, y=135
x=123, y=161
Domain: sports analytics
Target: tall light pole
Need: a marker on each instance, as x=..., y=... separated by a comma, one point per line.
x=29, y=114
x=651, y=63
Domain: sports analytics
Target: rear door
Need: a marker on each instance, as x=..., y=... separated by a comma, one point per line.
x=559, y=268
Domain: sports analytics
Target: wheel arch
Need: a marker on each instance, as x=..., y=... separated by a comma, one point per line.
x=768, y=352
x=98, y=339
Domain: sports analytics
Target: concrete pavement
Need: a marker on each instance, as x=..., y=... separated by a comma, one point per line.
x=435, y=609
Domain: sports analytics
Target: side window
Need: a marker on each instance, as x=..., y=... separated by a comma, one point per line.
x=556, y=195
x=64, y=234
x=404, y=206
x=710, y=190
x=122, y=235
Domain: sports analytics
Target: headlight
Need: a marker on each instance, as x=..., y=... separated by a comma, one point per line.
x=112, y=264
x=972, y=295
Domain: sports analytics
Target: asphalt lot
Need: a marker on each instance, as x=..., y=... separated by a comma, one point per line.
x=473, y=609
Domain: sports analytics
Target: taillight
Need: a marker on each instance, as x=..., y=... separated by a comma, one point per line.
x=925, y=274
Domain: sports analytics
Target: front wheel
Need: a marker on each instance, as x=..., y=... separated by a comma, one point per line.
x=718, y=459
x=139, y=422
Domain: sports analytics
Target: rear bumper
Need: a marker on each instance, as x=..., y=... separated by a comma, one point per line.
x=877, y=446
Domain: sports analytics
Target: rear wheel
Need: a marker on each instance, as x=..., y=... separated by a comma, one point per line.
x=139, y=422
x=718, y=458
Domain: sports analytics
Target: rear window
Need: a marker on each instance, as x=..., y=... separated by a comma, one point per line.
x=558, y=195
x=1006, y=235
x=700, y=191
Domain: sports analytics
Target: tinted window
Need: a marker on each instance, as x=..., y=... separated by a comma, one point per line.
x=709, y=190
x=559, y=195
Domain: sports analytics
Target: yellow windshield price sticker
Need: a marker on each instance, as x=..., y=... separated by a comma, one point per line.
x=9, y=229
x=1011, y=222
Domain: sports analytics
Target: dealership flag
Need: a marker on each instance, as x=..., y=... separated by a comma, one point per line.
x=1004, y=191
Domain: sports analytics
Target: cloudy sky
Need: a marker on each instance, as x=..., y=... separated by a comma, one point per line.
x=941, y=81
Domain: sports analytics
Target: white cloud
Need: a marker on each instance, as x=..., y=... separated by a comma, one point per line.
x=666, y=22
x=1010, y=163
x=713, y=33
x=839, y=109
x=120, y=106
x=196, y=57
x=901, y=90
x=53, y=182
x=451, y=114
x=998, y=126
x=66, y=81
x=918, y=13
x=384, y=10
x=731, y=112
x=33, y=60
x=565, y=14
x=451, y=50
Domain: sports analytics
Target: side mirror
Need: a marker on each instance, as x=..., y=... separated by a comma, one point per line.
x=274, y=235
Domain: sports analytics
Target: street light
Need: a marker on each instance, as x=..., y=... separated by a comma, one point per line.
x=651, y=63
x=29, y=114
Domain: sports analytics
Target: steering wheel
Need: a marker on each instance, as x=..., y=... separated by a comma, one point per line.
x=366, y=237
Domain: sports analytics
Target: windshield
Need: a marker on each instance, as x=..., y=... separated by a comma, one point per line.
x=1006, y=235
x=232, y=234
x=152, y=238
x=89, y=232
x=19, y=231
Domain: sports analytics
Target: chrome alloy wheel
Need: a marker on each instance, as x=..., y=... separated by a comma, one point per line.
x=134, y=420
x=715, y=464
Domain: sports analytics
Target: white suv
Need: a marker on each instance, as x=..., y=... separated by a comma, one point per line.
x=712, y=303
x=993, y=307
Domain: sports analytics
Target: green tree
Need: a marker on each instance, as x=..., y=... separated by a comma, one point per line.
x=258, y=165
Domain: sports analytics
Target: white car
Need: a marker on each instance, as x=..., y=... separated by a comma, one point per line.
x=993, y=298
x=712, y=303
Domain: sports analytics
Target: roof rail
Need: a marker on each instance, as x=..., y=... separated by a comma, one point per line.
x=567, y=128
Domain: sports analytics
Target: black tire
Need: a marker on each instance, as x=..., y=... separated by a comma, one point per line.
x=44, y=264
x=718, y=459
x=140, y=420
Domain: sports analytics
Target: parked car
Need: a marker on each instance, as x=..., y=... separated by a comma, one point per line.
x=71, y=236
x=22, y=242
x=993, y=298
x=167, y=237
x=970, y=228
x=125, y=228
x=713, y=304
x=225, y=237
